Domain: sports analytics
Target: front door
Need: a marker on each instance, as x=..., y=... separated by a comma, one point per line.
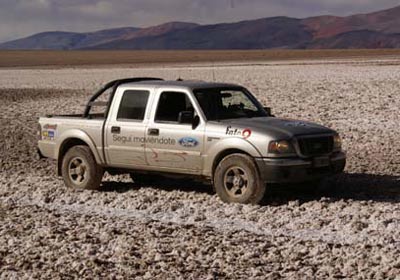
x=125, y=132
x=170, y=144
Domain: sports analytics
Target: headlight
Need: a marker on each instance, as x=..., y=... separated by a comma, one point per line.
x=337, y=142
x=280, y=147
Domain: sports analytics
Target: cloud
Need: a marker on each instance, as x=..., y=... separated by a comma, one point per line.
x=19, y=18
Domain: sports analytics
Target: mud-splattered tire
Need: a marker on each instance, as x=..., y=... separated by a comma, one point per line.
x=80, y=170
x=236, y=179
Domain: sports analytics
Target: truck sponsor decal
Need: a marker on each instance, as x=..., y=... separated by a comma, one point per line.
x=245, y=133
x=143, y=140
x=188, y=142
x=49, y=132
x=48, y=135
x=50, y=127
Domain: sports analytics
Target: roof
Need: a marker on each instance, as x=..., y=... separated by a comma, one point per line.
x=186, y=84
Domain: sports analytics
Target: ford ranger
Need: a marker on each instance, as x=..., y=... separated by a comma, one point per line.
x=214, y=131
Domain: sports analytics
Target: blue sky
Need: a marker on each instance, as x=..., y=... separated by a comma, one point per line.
x=19, y=18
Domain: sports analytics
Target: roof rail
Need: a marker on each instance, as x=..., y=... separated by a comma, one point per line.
x=114, y=84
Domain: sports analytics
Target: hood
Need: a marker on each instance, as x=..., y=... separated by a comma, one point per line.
x=279, y=128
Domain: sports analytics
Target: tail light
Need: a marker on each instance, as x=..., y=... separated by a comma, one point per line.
x=39, y=132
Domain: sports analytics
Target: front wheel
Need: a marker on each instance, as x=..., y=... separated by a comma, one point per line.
x=236, y=179
x=80, y=170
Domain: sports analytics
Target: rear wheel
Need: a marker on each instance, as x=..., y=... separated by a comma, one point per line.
x=80, y=170
x=236, y=179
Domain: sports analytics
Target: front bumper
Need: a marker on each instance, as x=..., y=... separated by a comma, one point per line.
x=299, y=170
x=41, y=156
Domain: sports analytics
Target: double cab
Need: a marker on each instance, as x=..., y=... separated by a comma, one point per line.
x=219, y=132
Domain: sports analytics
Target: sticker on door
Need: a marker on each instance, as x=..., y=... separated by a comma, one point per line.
x=188, y=142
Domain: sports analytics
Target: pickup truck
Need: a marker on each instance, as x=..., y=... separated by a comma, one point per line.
x=218, y=132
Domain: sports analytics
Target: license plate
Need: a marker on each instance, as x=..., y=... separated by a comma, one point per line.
x=321, y=162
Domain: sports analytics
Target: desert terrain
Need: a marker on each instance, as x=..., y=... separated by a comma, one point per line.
x=129, y=59
x=348, y=227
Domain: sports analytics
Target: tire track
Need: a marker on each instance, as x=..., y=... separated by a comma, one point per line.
x=222, y=225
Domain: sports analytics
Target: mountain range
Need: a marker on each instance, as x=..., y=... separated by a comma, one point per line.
x=375, y=30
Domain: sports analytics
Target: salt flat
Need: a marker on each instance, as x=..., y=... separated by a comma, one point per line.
x=348, y=227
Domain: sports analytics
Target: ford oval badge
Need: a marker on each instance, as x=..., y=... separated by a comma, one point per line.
x=188, y=142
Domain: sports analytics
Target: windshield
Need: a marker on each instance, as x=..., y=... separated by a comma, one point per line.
x=228, y=103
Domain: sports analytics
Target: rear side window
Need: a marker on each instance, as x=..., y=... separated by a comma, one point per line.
x=133, y=105
x=170, y=105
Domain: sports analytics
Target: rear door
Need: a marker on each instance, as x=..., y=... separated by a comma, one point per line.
x=170, y=145
x=125, y=128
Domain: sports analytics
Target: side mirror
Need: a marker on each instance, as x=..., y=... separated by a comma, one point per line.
x=185, y=117
x=196, y=122
x=269, y=111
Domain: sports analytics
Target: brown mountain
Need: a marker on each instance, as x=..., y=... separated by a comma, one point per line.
x=71, y=40
x=161, y=29
x=387, y=21
x=375, y=30
x=278, y=32
x=362, y=39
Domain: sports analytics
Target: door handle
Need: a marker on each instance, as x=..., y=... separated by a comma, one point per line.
x=115, y=130
x=153, y=132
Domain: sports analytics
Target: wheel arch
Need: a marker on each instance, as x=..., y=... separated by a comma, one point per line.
x=220, y=156
x=224, y=148
x=76, y=139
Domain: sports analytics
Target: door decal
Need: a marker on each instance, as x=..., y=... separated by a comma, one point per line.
x=188, y=142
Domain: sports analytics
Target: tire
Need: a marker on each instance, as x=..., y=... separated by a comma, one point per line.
x=80, y=170
x=236, y=179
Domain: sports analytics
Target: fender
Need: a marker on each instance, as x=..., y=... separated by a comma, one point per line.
x=81, y=135
x=227, y=144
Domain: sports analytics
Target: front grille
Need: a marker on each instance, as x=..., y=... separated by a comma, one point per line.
x=316, y=146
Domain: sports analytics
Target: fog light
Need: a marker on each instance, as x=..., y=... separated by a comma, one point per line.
x=337, y=142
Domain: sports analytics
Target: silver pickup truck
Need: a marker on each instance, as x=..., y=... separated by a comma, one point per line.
x=213, y=131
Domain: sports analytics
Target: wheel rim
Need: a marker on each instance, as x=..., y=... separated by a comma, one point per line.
x=77, y=170
x=236, y=182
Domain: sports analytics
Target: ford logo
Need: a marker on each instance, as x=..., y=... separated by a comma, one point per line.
x=188, y=142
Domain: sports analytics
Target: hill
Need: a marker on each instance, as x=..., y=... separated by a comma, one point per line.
x=368, y=31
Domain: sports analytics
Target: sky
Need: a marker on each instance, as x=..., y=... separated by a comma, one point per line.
x=20, y=18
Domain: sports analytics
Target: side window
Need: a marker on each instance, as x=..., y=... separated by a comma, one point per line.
x=170, y=105
x=133, y=105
